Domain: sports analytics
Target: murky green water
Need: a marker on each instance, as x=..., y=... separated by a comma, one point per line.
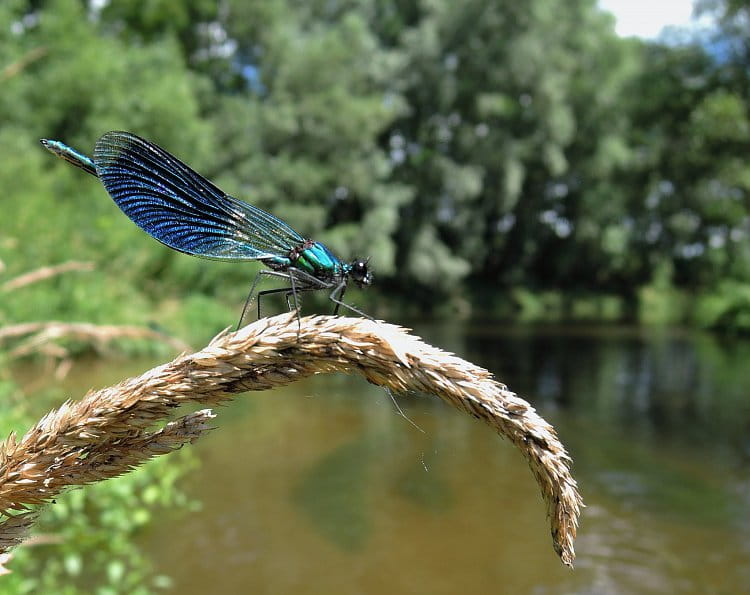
x=323, y=488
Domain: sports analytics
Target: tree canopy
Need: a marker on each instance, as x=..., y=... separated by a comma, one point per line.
x=480, y=144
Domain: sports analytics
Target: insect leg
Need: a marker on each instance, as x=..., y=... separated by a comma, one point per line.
x=270, y=292
x=309, y=280
x=341, y=297
x=335, y=299
x=248, y=299
x=297, y=276
x=296, y=303
x=252, y=291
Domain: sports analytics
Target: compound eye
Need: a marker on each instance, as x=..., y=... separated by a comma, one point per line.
x=360, y=272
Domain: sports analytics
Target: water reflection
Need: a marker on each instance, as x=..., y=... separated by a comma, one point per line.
x=658, y=426
x=322, y=487
x=689, y=389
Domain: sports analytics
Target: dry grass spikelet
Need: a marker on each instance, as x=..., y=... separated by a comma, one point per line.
x=109, y=431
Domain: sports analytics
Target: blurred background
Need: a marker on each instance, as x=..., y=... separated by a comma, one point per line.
x=551, y=190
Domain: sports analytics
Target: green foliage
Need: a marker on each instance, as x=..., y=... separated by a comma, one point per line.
x=530, y=306
x=87, y=537
x=502, y=144
x=727, y=308
x=93, y=532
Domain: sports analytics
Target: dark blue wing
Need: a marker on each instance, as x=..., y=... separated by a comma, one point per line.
x=181, y=208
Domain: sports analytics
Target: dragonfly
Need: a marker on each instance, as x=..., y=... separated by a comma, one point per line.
x=185, y=211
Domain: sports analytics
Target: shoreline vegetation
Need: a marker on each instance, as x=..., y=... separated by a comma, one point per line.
x=502, y=165
x=653, y=305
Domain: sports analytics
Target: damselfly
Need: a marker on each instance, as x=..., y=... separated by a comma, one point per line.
x=186, y=212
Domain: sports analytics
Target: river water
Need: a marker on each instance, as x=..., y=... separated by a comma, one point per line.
x=322, y=487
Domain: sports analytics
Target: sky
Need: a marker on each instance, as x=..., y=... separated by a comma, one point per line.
x=646, y=18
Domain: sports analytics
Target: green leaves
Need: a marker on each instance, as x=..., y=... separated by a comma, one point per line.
x=499, y=141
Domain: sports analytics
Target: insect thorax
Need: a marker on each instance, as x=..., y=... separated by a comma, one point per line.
x=316, y=259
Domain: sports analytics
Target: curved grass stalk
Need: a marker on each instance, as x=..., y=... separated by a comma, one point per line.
x=110, y=431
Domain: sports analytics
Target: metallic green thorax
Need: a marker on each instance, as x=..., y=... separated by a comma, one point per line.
x=313, y=258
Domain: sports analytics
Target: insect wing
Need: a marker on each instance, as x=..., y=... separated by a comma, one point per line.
x=181, y=208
